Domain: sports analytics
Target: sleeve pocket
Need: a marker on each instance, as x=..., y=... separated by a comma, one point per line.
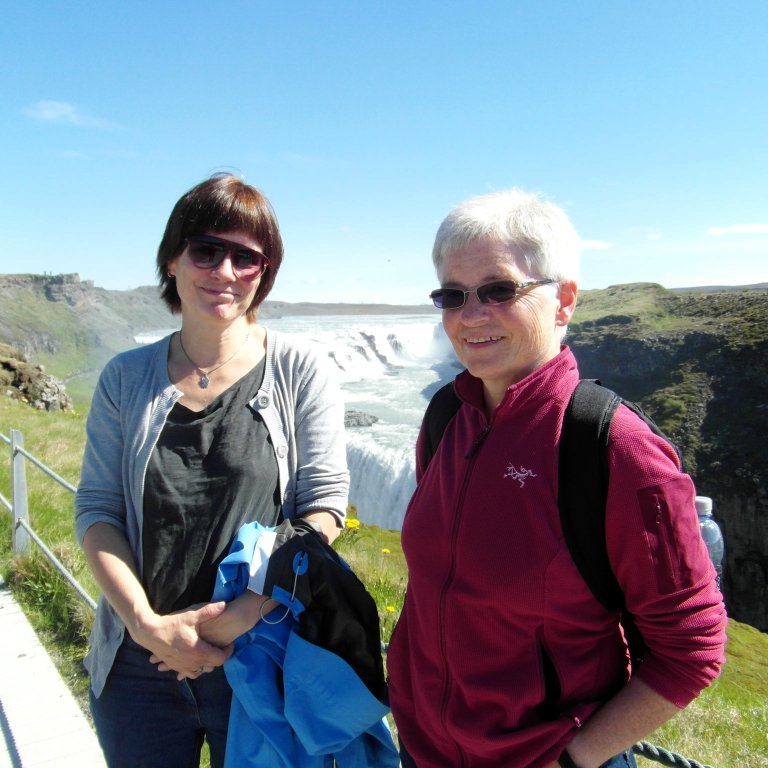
x=672, y=532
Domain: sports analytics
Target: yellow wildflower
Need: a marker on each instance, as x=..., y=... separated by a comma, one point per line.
x=352, y=523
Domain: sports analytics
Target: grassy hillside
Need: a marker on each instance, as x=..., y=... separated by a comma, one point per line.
x=72, y=327
x=640, y=308
x=726, y=727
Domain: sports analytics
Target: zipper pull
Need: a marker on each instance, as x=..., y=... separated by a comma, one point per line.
x=477, y=442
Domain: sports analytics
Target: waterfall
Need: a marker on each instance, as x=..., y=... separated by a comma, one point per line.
x=381, y=481
x=389, y=367
x=389, y=370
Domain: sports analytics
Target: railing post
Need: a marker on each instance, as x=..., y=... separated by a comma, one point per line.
x=20, y=537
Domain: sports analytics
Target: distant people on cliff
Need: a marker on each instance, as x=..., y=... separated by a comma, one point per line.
x=188, y=438
x=503, y=655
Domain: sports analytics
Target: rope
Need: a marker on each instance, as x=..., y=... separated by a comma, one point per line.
x=663, y=756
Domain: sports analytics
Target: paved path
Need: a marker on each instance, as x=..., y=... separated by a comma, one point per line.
x=40, y=722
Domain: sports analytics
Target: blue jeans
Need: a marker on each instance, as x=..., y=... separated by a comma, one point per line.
x=148, y=719
x=624, y=760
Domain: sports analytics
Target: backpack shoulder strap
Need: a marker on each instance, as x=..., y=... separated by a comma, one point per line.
x=441, y=409
x=583, y=486
x=583, y=494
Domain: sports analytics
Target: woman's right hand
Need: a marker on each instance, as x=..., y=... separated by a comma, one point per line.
x=176, y=641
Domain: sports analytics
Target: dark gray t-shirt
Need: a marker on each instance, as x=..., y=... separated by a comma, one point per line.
x=210, y=472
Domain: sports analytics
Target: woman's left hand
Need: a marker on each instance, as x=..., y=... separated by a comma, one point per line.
x=329, y=524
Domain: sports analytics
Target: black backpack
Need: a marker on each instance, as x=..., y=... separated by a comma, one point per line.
x=583, y=485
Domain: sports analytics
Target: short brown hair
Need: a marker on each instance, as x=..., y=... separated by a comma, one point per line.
x=222, y=203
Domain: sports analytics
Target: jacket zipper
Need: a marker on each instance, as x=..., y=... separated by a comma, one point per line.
x=477, y=442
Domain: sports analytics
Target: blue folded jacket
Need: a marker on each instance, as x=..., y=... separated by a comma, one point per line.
x=308, y=681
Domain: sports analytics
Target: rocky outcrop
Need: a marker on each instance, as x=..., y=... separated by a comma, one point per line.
x=359, y=419
x=68, y=288
x=21, y=380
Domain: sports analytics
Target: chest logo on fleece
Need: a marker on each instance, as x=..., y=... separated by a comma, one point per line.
x=520, y=474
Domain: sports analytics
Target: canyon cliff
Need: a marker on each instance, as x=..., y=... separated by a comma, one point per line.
x=698, y=363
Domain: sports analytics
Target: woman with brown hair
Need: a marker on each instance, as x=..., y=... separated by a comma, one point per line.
x=218, y=424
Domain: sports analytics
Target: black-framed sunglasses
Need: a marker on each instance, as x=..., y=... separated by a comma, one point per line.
x=497, y=292
x=207, y=252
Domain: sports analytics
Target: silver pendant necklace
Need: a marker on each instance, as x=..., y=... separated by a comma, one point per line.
x=204, y=379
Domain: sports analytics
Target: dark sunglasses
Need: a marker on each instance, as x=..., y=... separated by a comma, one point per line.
x=207, y=252
x=498, y=292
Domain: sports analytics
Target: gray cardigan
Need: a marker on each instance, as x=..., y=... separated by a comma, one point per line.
x=299, y=401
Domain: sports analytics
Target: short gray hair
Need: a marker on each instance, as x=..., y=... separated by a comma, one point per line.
x=537, y=229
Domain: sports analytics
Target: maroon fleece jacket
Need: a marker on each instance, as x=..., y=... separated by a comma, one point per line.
x=501, y=650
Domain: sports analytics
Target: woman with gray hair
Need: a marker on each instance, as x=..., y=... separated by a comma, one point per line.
x=503, y=656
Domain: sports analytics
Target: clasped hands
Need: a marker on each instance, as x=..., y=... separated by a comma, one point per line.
x=195, y=641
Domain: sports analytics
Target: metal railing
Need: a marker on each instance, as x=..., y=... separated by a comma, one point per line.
x=22, y=533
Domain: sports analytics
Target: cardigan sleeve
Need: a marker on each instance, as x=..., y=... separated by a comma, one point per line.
x=322, y=478
x=100, y=494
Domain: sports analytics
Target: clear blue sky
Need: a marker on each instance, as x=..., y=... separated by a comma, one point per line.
x=365, y=122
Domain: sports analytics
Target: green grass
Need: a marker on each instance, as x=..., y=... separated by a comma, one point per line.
x=726, y=727
x=376, y=556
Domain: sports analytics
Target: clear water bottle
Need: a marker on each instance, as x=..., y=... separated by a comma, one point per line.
x=712, y=535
